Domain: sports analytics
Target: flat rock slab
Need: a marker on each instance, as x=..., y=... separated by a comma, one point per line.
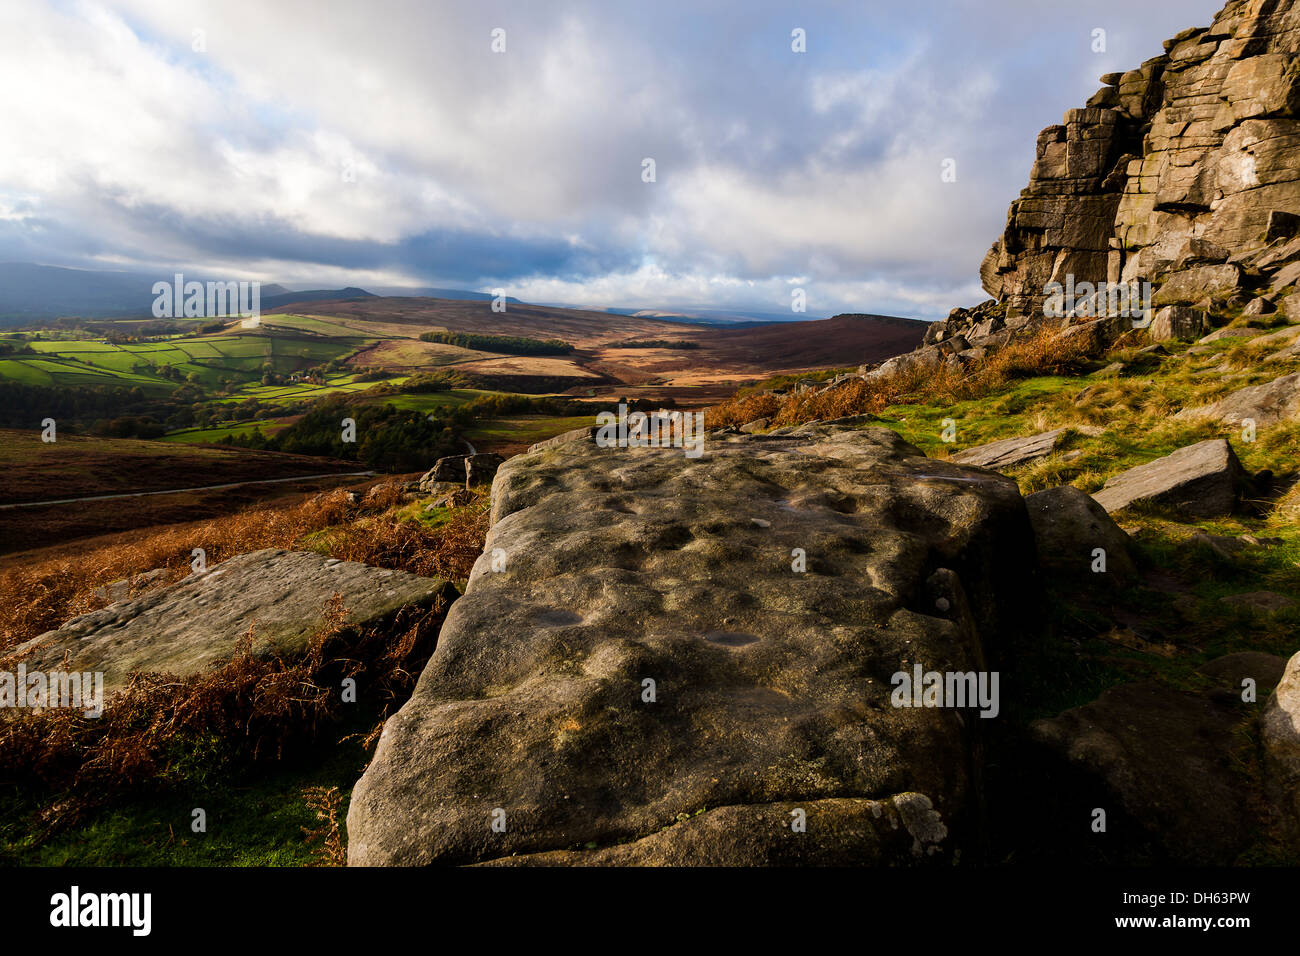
x=1200, y=480
x=650, y=658
x=1267, y=404
x=189, y=626
x=1010, y=452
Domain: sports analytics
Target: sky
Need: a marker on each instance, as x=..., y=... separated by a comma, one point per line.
x=388, y=144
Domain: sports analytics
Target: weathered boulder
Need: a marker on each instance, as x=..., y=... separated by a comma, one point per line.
x=1258, y=306
x=1280, y=731
x=1267, y=404
x=1231, y=670
x=189, y=626
x=1215, y=283
x=673, y=637
x=1009, y=452
x=451, y=469
x=1160, y=763
x=1201, y=480
x=1069, y=528
x=1179, y=322
x=757, y=425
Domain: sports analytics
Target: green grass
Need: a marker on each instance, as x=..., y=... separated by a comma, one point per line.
x=257, y=820
x=238, y=355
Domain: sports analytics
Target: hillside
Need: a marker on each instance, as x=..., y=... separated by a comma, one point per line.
x=721, y=358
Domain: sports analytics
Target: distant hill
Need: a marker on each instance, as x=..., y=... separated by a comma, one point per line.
x=314, y=295
x=30, y=292
x=430, y=292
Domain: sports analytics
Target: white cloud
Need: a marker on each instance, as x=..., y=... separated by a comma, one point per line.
x=311, y=140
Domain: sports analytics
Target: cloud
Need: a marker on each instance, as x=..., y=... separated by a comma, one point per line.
x=311, y=142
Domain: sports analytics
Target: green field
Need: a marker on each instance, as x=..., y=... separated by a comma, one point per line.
x=194, y=436
x=309, y=323
x=207, y=359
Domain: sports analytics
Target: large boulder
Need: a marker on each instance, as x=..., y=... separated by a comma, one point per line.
x=1200, y=480
x=658, y=659
x=1179, y=322
x=585, y=433
x=1070, y=529
x=449, y=469
x=190, y=626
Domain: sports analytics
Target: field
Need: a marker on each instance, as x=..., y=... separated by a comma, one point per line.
x=195, y=436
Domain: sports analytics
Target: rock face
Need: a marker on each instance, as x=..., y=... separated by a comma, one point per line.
x=1069, y=527
x=186, y=627
x=1010, y=452
x=681, y=653
x=1201, y=480
x=1180, y=172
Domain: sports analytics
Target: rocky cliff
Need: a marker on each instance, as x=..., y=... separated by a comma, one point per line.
x=1179, y=173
